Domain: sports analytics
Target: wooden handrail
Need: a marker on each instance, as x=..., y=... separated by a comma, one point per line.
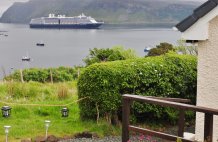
x=171, y=99
x=157, y=134
x=170, y=104
x=166, y=102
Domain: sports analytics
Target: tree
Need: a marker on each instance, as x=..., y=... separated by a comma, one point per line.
x=160, y=49
x=184, y=48
x=109, y=54
x=127, y=53
x=102, y=55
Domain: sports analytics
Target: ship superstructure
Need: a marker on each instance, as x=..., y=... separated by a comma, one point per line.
x=61, y=21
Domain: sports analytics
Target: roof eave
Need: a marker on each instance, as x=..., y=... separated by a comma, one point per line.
x=197, y=14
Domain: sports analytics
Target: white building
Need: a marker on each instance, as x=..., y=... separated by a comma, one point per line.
x=202, y=28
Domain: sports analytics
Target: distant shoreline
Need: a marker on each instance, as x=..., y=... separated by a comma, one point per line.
x=121, y=25
x=141, y=25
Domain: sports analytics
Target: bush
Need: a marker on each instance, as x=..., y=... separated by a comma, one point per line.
x=161, y=49
x=103, y=55
x=170, y=75
x=60, y=74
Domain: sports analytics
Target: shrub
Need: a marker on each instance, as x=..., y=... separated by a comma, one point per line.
x=161, y=49
x=60, y=74
x=170, y=75
x=103, y=55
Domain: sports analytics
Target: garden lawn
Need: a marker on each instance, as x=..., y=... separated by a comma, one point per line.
x=27, y=121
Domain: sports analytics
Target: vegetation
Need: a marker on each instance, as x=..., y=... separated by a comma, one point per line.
x=60, y=74
x=161, y=49
x=144, y=12
x=100, y=88
x=27, y=121
x=109, y=54
x=170, y=75
x=186, y=48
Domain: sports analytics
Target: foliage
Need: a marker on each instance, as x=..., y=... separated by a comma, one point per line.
x=60, y=74
x=186, y=48
x=170, y=75
x=178, y=140
x=161, y=49
x=102, y=55
x=126, y=53
x=27, y=121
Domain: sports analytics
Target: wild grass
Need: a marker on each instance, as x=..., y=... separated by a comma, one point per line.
x=27, y=121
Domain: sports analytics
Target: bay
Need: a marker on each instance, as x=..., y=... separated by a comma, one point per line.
x=67, y=47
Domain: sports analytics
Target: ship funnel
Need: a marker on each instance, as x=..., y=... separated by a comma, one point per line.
x=83, y=15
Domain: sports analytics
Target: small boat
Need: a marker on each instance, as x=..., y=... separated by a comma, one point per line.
x=147, y=49
x=40, y=44
x=25, y=58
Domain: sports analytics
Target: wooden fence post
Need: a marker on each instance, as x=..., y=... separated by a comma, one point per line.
x=51, y=76
x=181, y=123
x=125, y=119
x=208, y=127
x=21, y=76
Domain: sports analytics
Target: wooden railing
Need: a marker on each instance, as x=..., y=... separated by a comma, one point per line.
x=166, y=102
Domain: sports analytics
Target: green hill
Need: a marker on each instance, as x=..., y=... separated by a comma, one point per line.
x=110, y=11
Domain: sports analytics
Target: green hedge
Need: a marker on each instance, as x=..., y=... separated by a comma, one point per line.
x=170, y=75
x=60, y=74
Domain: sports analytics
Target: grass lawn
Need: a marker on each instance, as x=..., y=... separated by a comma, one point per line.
x=27, y=121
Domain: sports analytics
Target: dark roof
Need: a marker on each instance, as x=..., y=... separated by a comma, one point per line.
x=197, y=14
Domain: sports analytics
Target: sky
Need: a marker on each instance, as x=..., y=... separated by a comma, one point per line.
x=5, y=4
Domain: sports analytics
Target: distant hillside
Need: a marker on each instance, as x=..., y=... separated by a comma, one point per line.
x=110, y=11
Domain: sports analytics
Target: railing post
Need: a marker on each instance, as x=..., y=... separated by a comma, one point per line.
x=181, y=123
x=208, y=127
x=125, y=119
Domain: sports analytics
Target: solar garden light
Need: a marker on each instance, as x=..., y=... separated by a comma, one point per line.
x=6, y=110
x=47, y=122
x=6, y=132
x=65, y=112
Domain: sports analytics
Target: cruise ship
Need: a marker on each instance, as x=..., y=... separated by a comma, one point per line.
x=61, y=21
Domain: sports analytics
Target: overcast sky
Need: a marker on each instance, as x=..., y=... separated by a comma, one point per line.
x=5, y=4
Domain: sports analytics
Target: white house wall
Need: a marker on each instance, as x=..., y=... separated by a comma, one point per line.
x=207, y=89
x=199, y=31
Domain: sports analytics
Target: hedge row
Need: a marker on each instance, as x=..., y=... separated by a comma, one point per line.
x=170, y=75
x=60, y=74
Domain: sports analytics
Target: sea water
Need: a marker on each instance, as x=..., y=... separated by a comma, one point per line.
x=68, y=47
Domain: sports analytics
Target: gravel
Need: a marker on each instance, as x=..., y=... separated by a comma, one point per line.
x=172, y=130
x=113, y=139
x=106, y=139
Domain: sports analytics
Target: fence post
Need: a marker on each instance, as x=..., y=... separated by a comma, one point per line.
x=208, y=127
x=125, y=119
x=181, y=123
x=51, y=76
x=21, y=76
